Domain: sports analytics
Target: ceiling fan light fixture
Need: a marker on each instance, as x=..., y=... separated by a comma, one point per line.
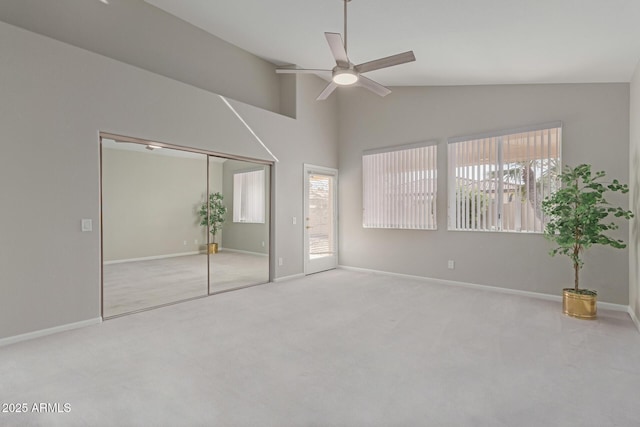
x=345, y=73
x=345, y=77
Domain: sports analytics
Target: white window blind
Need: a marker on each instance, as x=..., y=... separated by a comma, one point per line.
x=249, y=197
x=399, y=187
x=497, y=182
x=321, y=215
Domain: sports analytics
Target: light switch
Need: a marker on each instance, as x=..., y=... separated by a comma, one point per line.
x=294, y=220
x=87, y=225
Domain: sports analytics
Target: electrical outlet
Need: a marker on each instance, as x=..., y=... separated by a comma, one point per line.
x=280, y=261
x=451, y=264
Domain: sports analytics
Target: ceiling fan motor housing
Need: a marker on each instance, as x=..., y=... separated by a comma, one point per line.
x=345, y=73
x=344, y=76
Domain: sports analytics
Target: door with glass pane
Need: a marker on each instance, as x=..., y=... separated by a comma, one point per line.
x=321, y=219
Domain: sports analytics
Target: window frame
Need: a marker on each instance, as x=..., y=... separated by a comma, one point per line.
x=452, y=182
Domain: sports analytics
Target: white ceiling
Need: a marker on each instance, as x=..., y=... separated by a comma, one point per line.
x=456, y=42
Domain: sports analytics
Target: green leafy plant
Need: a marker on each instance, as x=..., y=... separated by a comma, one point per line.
x=214, y=216
x=578, y=215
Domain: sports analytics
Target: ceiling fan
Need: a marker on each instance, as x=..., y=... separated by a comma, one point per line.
x=345, y=73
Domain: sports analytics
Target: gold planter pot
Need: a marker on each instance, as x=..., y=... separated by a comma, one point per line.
x=213, y=248
x=578, y=305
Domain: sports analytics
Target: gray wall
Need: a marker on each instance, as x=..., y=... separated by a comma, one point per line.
x=309, y=139
x=634, y=198
x=55, y=100
x=242, y=236
x=140, y=34
x=596, y=131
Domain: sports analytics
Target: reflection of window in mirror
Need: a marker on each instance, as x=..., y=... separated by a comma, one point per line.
x=249, y=196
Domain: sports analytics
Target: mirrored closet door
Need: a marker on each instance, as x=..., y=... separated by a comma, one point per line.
x=178, y=225
x=243, y=190
x=152, y=237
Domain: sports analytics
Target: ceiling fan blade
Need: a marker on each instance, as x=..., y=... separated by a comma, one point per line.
x=327, y=91
x=337, y=48
x=374, y=87
x=302, y=71
x=389, y=61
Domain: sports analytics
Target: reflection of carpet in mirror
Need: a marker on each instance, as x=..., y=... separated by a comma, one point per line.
x=137, y=285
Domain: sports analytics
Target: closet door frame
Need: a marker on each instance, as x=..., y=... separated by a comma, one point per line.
x=268, y=200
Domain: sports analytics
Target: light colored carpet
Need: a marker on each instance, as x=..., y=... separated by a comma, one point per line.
x=339, y=348
x=137, y=285
x=232, y=269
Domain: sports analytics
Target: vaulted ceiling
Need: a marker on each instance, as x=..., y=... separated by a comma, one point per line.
x=456, y=42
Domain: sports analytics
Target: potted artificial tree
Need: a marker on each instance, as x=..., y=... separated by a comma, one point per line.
x=579, y=216
x=212, y=216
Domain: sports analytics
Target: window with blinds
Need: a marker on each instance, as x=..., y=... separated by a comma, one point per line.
x=249, y=197
x=497, y=182
x=399, y=187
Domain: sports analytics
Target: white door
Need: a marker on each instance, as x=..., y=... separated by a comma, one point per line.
x=320, y=219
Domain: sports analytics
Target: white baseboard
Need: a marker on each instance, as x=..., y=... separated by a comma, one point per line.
x=242, y=252
x=538, y=295
x=44, y=332
x=149, y=258
x=609, y=306
x=291, y=277
x=634, y=318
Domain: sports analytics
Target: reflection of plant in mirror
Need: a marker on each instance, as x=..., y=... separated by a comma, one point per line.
x=212, y=214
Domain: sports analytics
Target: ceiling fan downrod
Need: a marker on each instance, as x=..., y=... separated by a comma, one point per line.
x=345, y=73
x=345, y=24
